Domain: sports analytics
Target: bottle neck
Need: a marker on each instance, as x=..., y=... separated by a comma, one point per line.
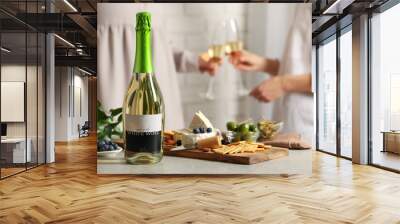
x=143, y=59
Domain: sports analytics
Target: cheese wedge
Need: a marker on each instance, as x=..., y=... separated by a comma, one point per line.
x=200, y=121
x=190, y=140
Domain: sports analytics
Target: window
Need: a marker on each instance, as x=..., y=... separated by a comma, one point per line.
x=385, y=89
x=346, y=93
x=334, y=106
x=327, y=96
x=22, y=101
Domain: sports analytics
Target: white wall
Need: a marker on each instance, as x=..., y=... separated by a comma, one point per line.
x=33, y=127
x=12, y=73
x=80, y=83
x=263, y=27
x=268, y=28
x=67, y=115
x=61, y=103
x=189, y=26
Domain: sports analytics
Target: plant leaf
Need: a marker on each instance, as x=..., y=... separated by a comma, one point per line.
x=114, y=125
x=116, y=111
x=101, y=115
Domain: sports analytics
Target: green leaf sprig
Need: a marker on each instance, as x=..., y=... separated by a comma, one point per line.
x=109, y=125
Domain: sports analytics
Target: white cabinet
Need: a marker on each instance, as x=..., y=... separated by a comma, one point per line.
x=17, y=148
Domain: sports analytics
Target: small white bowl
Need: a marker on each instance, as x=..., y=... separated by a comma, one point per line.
x=110, y=154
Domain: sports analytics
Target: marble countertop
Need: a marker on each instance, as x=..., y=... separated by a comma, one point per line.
x=298, y=162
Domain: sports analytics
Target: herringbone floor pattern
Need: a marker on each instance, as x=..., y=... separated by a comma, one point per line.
x=70, y=191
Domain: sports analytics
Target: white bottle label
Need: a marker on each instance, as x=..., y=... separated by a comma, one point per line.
x=143, y=133
x=143, y=123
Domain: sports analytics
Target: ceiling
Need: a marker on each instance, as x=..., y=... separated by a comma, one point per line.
x=75, y=21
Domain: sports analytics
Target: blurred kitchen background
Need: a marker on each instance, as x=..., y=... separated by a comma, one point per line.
x=263, y=29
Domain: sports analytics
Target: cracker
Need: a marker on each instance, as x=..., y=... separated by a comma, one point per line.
x=241, y=147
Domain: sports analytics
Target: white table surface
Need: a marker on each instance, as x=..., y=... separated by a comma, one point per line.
x=298, y=162
x=13, y=140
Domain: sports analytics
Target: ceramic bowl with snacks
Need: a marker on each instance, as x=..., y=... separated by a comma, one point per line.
x=108, y=149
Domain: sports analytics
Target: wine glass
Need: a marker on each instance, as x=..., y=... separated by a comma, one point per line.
x=216, y=51
x=234, y=44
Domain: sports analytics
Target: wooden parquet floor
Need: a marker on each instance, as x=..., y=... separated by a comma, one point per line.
x=70, y=191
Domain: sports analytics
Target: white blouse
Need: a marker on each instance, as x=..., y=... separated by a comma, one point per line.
x=116, y=38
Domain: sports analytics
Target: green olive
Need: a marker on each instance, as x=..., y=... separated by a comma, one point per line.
x=244, y=128
x=250, y=137
x=237, y=137
x=252, y=127
x=231, y=126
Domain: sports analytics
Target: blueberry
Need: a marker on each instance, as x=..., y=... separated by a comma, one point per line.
x=196, y=130
x=101, y=145
x=106, y=147
x=111, y=147
x=179, y=143
x=209, y=130
x=202, y=130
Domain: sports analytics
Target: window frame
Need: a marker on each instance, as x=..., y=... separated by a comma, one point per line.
x=27, y=29
x=371, y=13
x=334, y=37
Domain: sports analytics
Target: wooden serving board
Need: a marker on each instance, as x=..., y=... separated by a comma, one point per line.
x=239, y=158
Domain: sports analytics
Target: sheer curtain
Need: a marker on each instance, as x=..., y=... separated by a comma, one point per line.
x=116, y=49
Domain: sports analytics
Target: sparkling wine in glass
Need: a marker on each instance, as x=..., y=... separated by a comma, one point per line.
x=216, y=52
x=234, y=45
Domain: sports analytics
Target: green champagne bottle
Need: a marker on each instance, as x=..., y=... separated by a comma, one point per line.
x=143, y=109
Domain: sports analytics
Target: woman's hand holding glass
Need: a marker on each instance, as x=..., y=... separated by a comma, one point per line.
x=224, y=41
x=274, y=87
x=209, y=65
x=247, y=62
x=268, y=90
